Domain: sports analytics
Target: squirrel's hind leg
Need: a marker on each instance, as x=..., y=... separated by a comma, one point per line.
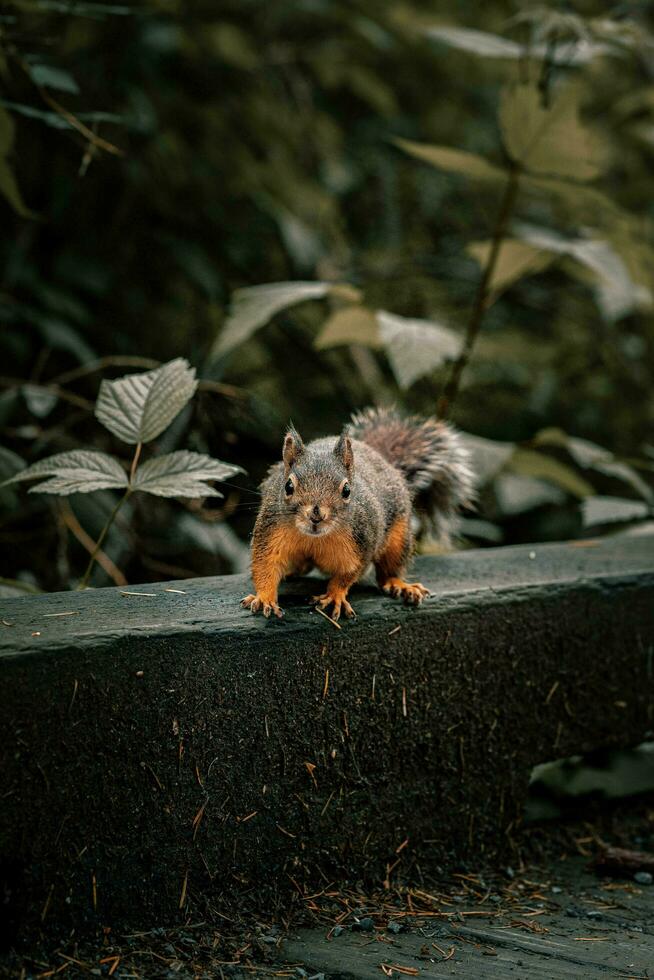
x=390, y=564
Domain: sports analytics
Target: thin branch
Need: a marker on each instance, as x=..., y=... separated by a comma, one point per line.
x=482, y=296
x=77, y=124
x=103, y=534
x=87, y=542
x=66, y=114
x=135, y=461
x=104, y=362
x=55, y=389
x=149, y=364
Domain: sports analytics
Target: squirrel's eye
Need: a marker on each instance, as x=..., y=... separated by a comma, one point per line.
x=289, y=488
x=346, y=491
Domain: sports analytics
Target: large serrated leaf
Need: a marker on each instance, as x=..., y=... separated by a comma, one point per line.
x=78, y=471
x=138, y=407
x=452, y=160
x=351, y=325
x=589, y=455
x=549, y=139
x=616, y=292
x=254, y=306
x=182, y=474
x=73, y=483
x=528, y=462
x=515, y=260
x=415, y=347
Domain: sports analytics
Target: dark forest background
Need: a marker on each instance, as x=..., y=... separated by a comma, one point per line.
x=154, y=158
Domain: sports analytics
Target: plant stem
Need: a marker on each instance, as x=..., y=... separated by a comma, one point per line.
x=480, y=304
x=137, y=453
x=100, y=541
x=111, y=518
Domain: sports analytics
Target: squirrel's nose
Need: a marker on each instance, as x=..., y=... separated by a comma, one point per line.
x=316, y=515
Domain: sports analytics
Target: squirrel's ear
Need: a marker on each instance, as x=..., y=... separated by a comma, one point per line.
x=293, y=449
x=343, y=451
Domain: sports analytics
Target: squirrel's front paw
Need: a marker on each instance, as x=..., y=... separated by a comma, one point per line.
x=255, y=603
x=337, y=600
x=412, y=592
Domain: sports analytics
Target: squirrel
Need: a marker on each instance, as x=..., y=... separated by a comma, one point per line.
x=342, y=502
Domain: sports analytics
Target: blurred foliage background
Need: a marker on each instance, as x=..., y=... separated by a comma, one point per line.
x=154, y=158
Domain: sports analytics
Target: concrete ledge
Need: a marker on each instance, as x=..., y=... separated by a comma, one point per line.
x=159, y=751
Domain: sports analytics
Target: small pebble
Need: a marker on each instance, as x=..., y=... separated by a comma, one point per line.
x=396, y=927
x=532, y=555
x=556, y=889
x=337, y=930
x=364, y=925
x=594, y=914
x=643, y=878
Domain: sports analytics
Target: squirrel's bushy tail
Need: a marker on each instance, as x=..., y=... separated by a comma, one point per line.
x=432, y=458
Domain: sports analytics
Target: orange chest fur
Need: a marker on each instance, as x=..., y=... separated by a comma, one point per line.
x=331, y=553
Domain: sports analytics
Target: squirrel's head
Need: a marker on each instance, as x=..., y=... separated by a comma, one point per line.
x=317, y=483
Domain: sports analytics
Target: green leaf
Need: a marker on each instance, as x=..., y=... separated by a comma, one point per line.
x=616, y=293
x=415, y=347
x=584, y=452
x=11, y=588
x=591, y=456
x=181, y=474
x=39, y=399
x=254, y=306
x=493, y=46
x=138, y=407
x=47, y=76
x=611, y=510
x=454, y=161
x=350, y=325
x=57, y=121
x=528, y=462
x=516, y=259
x=549, y=139
x=78, y=471
x=517, y=494
x=576, y=202
x=477, y=42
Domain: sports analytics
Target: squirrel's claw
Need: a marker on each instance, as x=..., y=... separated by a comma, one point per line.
x=412, y=592
x=256, y=604
x=338, y=601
